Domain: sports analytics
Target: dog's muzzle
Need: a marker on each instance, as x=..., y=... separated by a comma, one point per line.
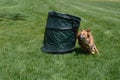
x=81, y=37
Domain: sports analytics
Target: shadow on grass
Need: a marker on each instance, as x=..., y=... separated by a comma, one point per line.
x=59, y=53
x=12, y=16
x=79, y=51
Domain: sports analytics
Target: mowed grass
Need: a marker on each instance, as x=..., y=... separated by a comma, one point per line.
x=22, y=26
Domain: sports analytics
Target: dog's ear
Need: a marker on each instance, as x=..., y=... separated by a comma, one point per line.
x=81, y=29
x=88, y=30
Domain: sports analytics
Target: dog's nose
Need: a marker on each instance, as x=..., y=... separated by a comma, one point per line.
x=81, y=36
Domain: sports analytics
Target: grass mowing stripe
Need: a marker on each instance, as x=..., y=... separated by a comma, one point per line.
x=91, y=8
x=95, y=16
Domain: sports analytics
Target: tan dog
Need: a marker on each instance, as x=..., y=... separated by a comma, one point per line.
x=86, y=41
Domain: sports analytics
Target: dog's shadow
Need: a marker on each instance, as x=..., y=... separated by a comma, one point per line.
x=79, y=51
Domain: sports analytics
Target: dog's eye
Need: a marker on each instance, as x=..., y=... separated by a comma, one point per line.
x=88, y=35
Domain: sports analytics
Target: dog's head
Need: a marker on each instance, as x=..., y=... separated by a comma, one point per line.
x=84, y=36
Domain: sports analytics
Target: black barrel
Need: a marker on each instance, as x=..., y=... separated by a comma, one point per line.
x=60, y=32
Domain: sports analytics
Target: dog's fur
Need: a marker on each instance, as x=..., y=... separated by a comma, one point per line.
x=86, y=41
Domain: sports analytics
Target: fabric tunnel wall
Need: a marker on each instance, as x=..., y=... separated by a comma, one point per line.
x=60, y=32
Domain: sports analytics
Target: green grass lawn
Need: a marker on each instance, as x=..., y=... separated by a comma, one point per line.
x=22, y=26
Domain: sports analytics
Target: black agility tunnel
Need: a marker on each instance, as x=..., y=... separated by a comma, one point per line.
x=60, y=32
